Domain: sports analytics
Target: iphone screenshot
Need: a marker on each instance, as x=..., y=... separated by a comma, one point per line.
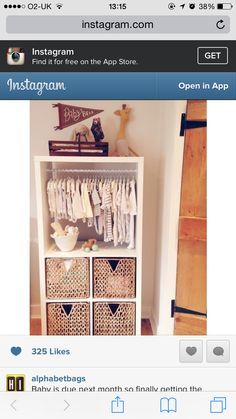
x=117, y=209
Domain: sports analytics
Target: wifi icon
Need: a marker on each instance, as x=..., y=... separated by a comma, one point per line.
x=59, y=5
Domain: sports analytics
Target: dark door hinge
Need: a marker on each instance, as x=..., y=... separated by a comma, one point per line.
x=190, y=124
x=176, y=309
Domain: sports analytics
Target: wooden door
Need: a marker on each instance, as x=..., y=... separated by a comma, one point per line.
x=190, y=302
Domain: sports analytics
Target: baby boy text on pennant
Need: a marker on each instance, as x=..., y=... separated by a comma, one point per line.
x=69, y=115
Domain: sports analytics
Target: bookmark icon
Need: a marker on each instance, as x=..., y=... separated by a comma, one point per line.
x=168, y=405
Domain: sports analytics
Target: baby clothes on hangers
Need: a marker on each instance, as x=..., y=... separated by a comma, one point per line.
x=124, y=211
x=77, y=206
x=96, y=200
x=72, y=194
x=101, y=216
x=118, y=204
x=115, y=212
x=51, y=198
x=86, y=201
x=127, y=212
x=133, y=213
x=59, y=197
x=108, y=205
x=108, y=219
x=63, y=192
x=90, y=186
x=68, y=200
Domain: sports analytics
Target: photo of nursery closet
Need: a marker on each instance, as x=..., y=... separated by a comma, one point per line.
x=118, y=217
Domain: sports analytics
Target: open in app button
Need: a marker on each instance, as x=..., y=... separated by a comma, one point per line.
x=212, y=55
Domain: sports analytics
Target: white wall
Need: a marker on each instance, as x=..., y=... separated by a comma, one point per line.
x=152, y=133
x=14, y=214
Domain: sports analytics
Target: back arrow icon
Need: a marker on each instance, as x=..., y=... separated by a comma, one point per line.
x=67, y=405
x=220, y=24
x=13, y=405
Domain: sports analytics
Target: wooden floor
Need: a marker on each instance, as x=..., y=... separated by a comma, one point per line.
x=35, y=327
x=146, y=328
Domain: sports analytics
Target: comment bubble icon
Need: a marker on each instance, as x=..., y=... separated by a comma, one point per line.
x=218, y=351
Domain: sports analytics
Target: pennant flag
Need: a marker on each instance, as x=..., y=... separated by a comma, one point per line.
x=70, y=115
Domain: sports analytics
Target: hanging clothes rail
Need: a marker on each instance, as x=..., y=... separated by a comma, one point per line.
x=92, y=170
x=107, y=204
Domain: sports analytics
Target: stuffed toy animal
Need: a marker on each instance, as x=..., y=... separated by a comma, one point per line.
x=122, y=148
x=97, y=131
x=89, y=245
x=82, y=133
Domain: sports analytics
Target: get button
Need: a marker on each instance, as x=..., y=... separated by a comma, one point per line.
x=212, y=55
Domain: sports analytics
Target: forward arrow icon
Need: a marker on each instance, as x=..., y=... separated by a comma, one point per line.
x=67, y=405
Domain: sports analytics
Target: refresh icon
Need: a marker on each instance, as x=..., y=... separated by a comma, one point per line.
x=220, y=24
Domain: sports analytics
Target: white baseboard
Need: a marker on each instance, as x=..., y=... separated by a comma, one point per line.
x=153, y=324
x=35, y=311
x=166, y=329
x=161, y=330
x=146, y=312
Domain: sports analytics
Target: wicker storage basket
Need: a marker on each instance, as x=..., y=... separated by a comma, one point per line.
x=114, y=278
x=68, y=319
x=114, y=319
x=71, y=283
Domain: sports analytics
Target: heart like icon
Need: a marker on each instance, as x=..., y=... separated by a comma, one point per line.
x=16, y=350
x=191, y=350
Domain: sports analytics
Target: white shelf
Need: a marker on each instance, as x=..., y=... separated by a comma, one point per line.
x=48, y=249
x=105, y=250
x=87, y=160
x=68, y=300
x=91, y=299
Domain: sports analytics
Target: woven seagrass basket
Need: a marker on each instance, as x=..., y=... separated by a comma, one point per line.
x=114, y=278
x=68, y=319
x=67, y=283
x=114, y=319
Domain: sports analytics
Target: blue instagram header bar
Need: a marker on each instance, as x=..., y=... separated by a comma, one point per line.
x=136, y=86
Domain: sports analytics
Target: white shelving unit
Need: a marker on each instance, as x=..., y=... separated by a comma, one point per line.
x=44, y=167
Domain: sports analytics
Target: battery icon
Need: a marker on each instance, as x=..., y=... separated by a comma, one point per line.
x=225, y=6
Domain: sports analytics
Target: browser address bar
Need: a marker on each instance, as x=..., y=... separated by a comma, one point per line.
x=116, y=24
